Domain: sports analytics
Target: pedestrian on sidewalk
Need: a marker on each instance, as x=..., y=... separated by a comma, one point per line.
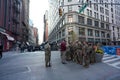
x=1, y=50
x=47, y=55
x=63, y=51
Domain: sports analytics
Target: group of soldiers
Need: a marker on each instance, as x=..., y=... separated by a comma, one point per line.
x=81, y=53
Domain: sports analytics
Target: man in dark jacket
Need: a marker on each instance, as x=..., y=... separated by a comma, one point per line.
x=1, y=50
x=63, y=51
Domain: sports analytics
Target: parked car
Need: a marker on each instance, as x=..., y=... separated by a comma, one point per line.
x=36, y=48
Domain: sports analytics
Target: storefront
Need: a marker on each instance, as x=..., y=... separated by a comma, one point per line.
x=6, y=40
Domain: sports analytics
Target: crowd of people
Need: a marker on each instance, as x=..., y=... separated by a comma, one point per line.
x=82, y=53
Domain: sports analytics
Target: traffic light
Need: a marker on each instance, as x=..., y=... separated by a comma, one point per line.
x=60, y=12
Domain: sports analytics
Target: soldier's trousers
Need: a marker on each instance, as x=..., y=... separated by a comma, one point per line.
x=86, y=61
x=92, y=57
x=47, y=59
x=81, y=59
x=63, y=56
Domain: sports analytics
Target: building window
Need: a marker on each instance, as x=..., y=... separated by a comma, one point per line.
x=70, y=18
x=107, y=26
x=90, y=39
x=97, y=33
x=108, y=35
x=106, y=5
x=90, y=4
x=112, y=21
x=111, y=9
x=117, y=29
x=63, y=32
x=60, y=34
x=91, y=13
x=95, y=7
x=69, y=8
x=69, y=0
x=107, y=12
x=81, y=31
x=102, y=25
x=102, y=17
x=57, y=36
x=88, y=12
x=107, y=19
x=89, y=21
x=103, y=34
x=112, y=16
x=63, y=21
x=90, y=32
x=113, y=28
x=81, y=19
x=95, y=15
x=101, y=9
x=96, y=23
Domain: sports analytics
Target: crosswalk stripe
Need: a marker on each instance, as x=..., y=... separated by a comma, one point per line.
x=104, y=58
x=106, y=55
x=112, y=60
x=116, y=63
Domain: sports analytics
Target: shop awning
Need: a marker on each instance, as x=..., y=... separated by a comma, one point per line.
x=8, y=36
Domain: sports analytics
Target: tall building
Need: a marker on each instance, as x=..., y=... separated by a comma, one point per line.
x=11, y=19
x=9, y=22
x=25, y=20
x=93, y=24
x=45, y=37
x=116, y=28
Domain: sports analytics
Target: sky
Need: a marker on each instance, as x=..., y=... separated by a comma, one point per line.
x=37, y=11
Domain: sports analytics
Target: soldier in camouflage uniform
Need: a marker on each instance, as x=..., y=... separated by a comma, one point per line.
x=90, y=52
x=75, y=51
x=68, y=52
x=47, y=55
x=71, y=51
x=94, y=47
x=85, y=55
x=79, y=52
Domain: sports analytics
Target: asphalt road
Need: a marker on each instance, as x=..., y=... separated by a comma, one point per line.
x=31, y=66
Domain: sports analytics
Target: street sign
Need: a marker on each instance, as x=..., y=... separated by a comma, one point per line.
x=84, y=6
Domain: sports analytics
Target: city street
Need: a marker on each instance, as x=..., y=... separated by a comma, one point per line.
x=31, y=66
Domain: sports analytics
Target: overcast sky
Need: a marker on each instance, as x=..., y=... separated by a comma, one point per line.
x=37, y=10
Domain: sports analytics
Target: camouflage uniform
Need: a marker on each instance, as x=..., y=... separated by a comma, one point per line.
x=47, y=55
x=71, y=51
x=68, y=52
x=85, y=55
x=90, y=53
x=75, y=52
x=80, y=54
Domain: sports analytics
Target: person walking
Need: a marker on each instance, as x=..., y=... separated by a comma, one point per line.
x=1, y=50
x=63, y=51
x=47, y=55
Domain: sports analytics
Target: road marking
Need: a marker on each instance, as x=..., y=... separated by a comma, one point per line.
x=104, y=58
x=29, y=70
x=111, y=60
x=116, y=63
